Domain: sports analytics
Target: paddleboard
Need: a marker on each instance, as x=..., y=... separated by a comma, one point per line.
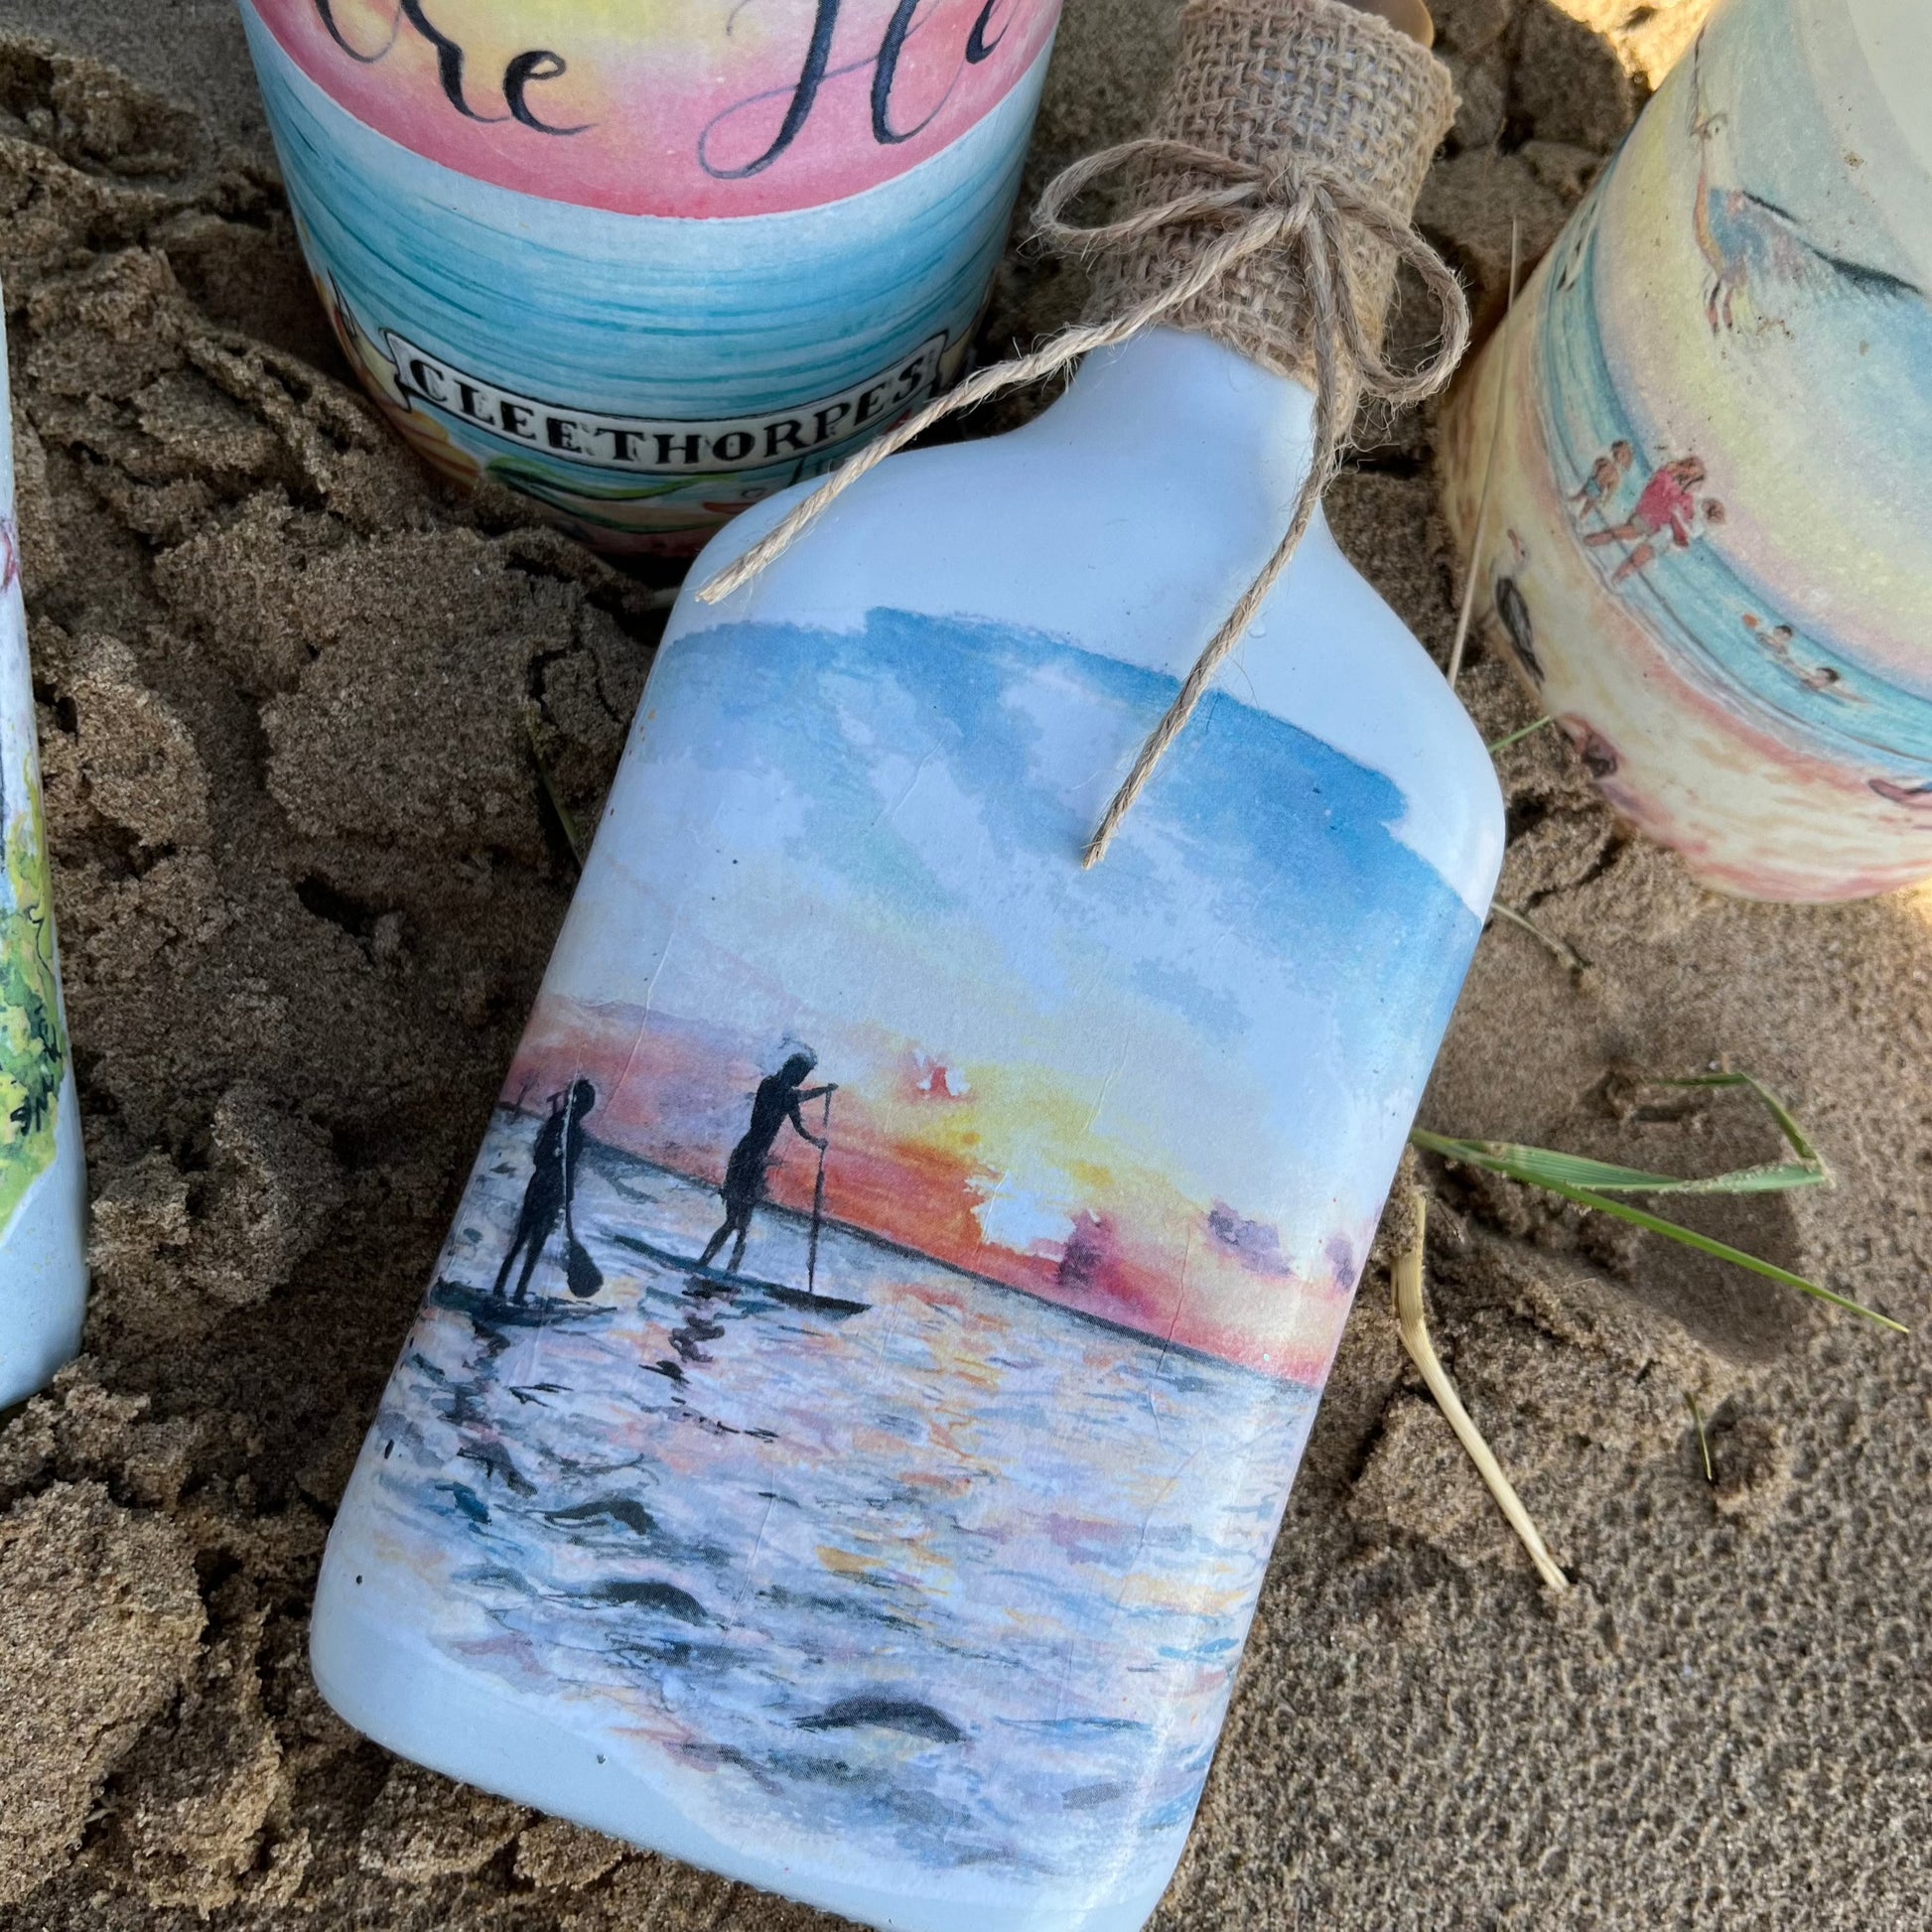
x=487, y=1307
x=836, y=1305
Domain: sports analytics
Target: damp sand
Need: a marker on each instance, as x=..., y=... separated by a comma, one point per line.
x=307, y=882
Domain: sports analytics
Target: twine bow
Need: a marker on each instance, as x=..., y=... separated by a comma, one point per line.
x=1298, y=207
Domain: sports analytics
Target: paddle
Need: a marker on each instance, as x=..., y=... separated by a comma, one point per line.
x=582, y=1274
x=818, y=1200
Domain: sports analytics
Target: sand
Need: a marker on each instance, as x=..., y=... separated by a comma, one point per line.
x=307, y=882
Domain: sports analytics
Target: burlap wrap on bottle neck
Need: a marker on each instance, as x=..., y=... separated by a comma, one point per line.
x=1266, y=82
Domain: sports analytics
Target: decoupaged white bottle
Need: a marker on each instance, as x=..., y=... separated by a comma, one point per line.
x=43, y=1177
x=844, y=1441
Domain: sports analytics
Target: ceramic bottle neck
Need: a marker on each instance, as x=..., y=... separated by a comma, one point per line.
x=1183, y=403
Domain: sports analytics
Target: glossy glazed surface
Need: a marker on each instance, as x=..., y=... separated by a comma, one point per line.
x=893, y=1543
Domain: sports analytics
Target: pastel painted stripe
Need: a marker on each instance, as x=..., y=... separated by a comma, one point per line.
x=695, y=108
x=641, y=315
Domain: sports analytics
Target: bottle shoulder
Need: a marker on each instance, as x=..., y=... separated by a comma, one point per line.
x=1050, y=533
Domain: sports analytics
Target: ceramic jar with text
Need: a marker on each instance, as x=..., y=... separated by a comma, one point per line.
x=645, y=264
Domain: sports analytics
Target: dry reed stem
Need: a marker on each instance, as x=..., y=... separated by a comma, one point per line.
x=1560, y=950
x=1414, y=1327
x=1703, y=1441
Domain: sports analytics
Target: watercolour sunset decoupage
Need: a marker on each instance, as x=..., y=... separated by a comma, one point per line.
x=844, y=1441
x=644, y=263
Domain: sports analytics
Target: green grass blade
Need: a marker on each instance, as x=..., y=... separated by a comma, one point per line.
x=1502, y=744
x=1703, y=1441
x=1778, y=1111
x=1722, y=1250
x=1543, y=1167
x=1594, y=1184
x=566, y=818
x=1656, y=1224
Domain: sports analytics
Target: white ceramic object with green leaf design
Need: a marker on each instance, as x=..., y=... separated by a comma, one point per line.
x=42, y=1179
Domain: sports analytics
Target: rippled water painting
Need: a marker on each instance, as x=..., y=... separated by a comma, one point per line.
x=929, y=1576
x=863, y=1379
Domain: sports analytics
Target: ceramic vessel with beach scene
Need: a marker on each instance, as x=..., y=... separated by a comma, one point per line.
x=845, y=1437
x=1707, y=542
x=43, y=1179
x=645, y=264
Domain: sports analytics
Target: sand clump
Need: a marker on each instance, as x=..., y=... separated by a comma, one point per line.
x=312, y=732
x=99, y=1617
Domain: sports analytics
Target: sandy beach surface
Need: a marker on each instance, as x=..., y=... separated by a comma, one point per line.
x=291, y=701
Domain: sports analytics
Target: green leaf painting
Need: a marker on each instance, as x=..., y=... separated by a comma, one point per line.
x=33, y=1040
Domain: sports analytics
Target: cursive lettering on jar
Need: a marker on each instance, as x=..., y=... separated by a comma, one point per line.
x=802, y=98
x=520, y=72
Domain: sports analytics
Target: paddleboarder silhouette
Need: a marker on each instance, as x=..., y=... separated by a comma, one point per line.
x=554, y=1155
x=779, y=1097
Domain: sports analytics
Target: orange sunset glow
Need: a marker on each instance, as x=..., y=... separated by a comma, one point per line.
x=1060, y=1218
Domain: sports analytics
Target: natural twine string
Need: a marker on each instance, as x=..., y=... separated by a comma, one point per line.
x=1297, y=207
